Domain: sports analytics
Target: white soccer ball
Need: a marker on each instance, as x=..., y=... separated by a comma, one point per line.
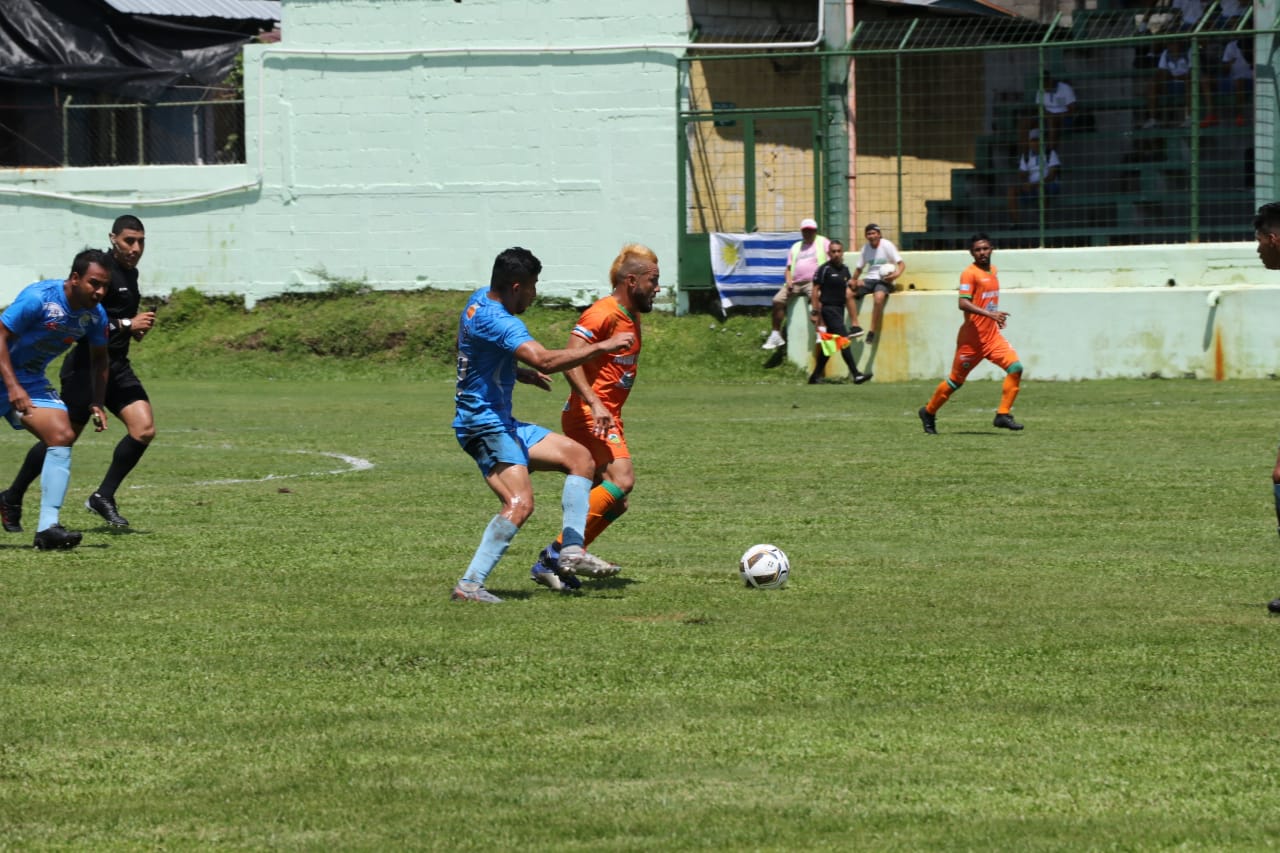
x=887, y=270
x=764, y=567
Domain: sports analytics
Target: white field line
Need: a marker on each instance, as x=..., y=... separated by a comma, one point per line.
x=351, y=465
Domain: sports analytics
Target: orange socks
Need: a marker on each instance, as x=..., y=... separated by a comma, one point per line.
x=940, y=395
x=1009, y=392
x=607, y=505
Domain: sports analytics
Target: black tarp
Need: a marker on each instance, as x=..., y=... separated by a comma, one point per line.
x=85, y=44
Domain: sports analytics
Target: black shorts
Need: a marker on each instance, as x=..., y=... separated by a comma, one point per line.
x=868, y=287
x=123, y=388
x=833, y=319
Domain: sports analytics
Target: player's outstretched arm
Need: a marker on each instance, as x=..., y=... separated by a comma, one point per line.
x=539, y=357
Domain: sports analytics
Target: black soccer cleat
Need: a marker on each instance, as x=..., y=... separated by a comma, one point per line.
x=106, y=507
x=930, y=422
x=859, y=378
x=1006, y=421
x=57, y=538
x=10, y=514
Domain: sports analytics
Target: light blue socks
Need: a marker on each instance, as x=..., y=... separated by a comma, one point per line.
x=575, y=500
x=54, y=478
x=497, y=537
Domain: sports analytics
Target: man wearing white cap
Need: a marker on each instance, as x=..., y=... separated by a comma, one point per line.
x=806, y=255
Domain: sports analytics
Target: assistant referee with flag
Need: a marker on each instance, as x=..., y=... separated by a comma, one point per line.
x=830, y=287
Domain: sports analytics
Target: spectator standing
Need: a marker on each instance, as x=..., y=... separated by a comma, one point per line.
x=803, y=260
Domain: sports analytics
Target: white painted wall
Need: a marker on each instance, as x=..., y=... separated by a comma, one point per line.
x=406, y=169
x=1073, y=315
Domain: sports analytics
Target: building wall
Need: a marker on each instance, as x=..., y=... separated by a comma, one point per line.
x=1145, y=311
x=404, y=169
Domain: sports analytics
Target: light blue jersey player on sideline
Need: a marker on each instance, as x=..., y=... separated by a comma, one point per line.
x=45, y=320
x=491, y=339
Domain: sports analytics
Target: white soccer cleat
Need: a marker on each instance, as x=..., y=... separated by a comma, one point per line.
x=575, y=560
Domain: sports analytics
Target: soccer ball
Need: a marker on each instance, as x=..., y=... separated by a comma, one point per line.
x=764, y=567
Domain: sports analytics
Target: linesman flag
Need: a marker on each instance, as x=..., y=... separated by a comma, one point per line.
x=832, y=344
x=749, y=268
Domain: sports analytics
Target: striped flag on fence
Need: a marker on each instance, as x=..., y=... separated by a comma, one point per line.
x=749, y=268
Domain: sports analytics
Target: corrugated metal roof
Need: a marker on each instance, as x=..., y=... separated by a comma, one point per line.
x=258, y=10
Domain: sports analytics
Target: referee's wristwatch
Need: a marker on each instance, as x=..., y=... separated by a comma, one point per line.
x=125, y=323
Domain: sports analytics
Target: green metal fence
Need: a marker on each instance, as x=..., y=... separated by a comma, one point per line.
x=1158, y=145
x=948, y=125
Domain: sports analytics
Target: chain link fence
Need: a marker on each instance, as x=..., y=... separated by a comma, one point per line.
x=1113, y=128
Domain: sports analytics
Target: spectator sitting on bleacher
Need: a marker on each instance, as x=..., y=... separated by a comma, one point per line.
x=1172, y=76
x=1229, y=14
x=1235, y=83
x=1032, y=172
x=1191, y=11
x=1059, y=101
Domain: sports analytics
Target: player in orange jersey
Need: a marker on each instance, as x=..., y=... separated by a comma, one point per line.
x=979, y=339
x=593, y=414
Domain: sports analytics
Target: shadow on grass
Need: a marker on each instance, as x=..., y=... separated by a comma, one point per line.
x=615, y=582
x=987, y=432
x=118, y=531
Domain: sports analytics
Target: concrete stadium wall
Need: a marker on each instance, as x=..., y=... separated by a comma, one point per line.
x=404, y=169
x=1083, y=314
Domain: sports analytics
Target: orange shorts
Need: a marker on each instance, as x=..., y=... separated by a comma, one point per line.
x=577, y=425
x=969, y=354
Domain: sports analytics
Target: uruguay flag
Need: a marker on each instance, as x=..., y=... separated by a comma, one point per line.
x=749, y=268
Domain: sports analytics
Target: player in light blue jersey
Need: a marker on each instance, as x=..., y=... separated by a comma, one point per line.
x=491, y=339
x=46, y=319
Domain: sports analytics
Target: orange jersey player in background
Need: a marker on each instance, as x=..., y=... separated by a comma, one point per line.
x=593, y=414
x=980, y=338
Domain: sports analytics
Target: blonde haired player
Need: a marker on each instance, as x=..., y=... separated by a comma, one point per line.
x=592, y=415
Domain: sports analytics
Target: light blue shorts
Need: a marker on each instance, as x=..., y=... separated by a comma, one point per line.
x=502, y=445
x=43, y=396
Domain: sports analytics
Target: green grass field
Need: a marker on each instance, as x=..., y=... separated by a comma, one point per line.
x=1051, y=640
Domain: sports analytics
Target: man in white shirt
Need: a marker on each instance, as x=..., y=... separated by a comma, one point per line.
x=1059, y=101
x=1034, y=168
x=882, y=264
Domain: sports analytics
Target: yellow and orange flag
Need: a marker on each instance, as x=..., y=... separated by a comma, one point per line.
x=832, y=344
